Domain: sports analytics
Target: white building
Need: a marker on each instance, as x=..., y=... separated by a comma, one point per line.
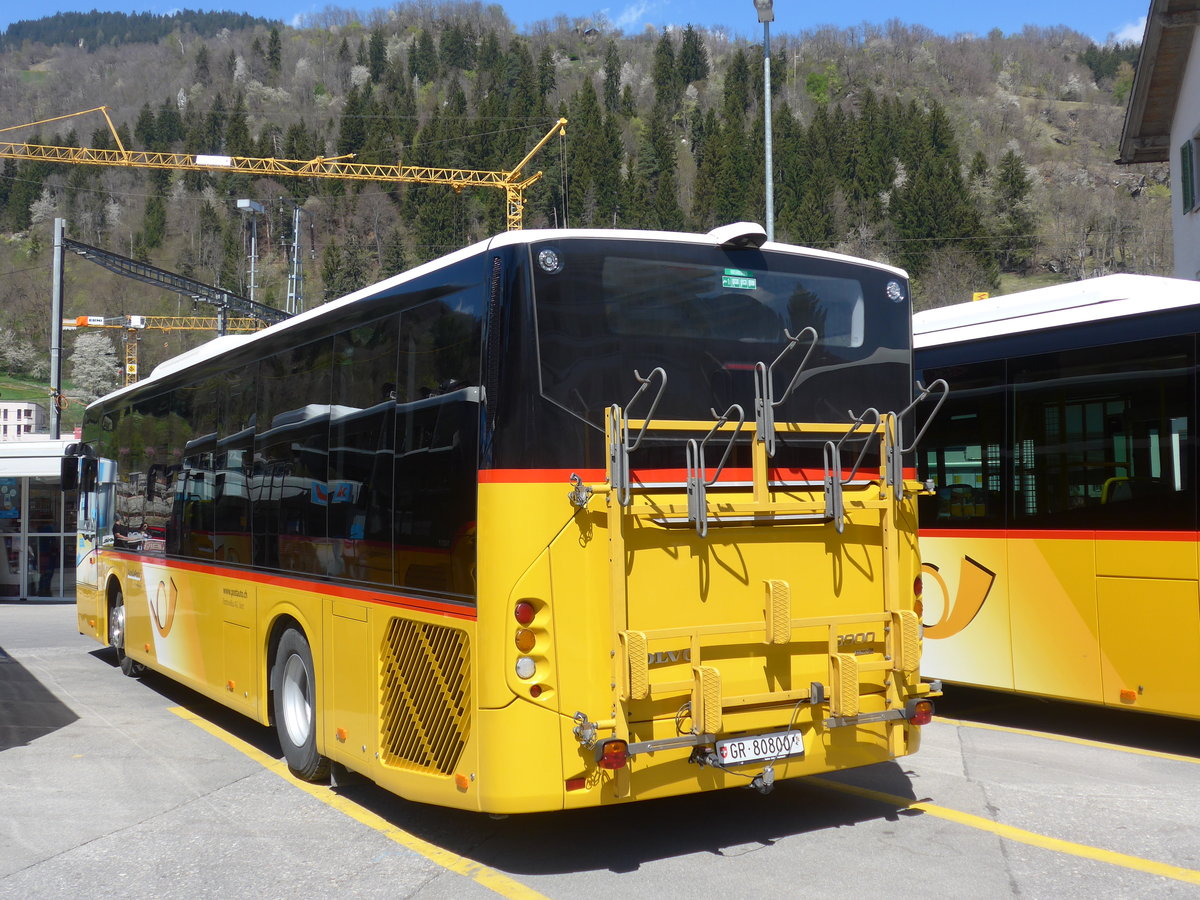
x=1162, y=122
x=23, y=420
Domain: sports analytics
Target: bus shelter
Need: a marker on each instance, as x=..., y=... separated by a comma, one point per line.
x=37, y=524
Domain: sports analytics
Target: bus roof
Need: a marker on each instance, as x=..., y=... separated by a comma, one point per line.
x=220, y=345
x=1109, y=297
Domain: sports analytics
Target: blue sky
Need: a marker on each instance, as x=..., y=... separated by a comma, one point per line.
x=1101, y=20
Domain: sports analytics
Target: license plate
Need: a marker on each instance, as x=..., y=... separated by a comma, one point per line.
x=760, y=747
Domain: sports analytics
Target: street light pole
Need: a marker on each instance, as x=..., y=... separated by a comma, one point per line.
x=766, y=15
x=255, y=209
x=56, y=314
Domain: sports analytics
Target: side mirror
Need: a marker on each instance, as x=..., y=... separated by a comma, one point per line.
x=68, y=473
x=89, y=473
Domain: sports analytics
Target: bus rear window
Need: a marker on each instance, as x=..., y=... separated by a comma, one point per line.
x=708, y=316
x=645, y=297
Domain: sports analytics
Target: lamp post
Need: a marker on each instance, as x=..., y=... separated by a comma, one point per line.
x=766, y=15
x=255, y=209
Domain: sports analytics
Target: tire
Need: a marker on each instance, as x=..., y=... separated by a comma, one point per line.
x=116, y=636
x=293, y=688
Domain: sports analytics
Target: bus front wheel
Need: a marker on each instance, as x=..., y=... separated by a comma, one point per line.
x=294, y=688
x=116, y=636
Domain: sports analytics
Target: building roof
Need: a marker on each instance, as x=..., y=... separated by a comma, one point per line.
x=1162, y=63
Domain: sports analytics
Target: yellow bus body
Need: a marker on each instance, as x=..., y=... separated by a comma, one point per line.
x=1098, y=617
x=366, y=523
x=210, y=629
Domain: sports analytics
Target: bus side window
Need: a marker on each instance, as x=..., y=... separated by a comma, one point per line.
x=437, y=439
x=1102, y=439
x=961, y=452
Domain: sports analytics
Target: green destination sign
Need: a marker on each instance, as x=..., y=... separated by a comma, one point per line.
x=739, y=279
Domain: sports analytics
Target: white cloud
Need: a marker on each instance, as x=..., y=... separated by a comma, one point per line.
x=633, y=15
x=1131, y=33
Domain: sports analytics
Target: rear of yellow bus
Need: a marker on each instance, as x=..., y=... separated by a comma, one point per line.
x=697, y=552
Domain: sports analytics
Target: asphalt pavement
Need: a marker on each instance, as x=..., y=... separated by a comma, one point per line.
x=112, y=786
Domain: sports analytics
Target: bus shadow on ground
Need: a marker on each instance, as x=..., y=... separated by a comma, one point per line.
x=618, y=838
x=1124, y=727
x=623, y=838
x=28, y=710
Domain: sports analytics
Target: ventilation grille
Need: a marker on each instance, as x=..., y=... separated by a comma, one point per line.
x=425, y=696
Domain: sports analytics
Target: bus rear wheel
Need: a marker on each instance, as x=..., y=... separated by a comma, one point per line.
x=116, y=636
x=295, y=701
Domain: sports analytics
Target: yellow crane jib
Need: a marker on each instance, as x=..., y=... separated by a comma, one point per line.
x=134, y=325
x=512, y=181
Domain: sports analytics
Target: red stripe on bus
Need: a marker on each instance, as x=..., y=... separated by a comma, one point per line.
x=345, y=592
x=1040, y=534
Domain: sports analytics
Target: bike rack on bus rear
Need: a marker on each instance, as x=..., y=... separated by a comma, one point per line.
x=702, y=693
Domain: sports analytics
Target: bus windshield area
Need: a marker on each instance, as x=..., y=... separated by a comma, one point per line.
x=707, y=316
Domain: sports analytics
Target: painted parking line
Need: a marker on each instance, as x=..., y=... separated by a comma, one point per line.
x=1020, y=835
x=1066, y=739
x=489, y=878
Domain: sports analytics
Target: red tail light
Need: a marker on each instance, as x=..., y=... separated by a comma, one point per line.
x=612, y=754
x=523, y=612
x=918, y=586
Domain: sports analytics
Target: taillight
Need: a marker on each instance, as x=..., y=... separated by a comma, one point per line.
x=920, y=712
x=918, y=586
x=612, y=754
x=523, y=612
x=525, y=639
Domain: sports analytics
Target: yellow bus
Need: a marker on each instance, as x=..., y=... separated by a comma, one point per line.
x=563, y=519
x=1060, y=540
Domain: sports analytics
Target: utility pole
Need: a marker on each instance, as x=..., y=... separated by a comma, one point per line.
x=56, y=311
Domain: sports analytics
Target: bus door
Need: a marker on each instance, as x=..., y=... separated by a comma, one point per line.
x=95, y=520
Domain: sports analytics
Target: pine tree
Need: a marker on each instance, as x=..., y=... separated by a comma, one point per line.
x=345, y=62
x=667, y=88
x=394, y=259
x=274, y=53
x=377, y=55
x=144, y=129
x=237, y=129
x=423, y=59
x=736, y=98
x=154, y=222
x=352, y=128
x=547, y=78
x=168, y=125
x=612, y=78
x=1016, y=223
x=214, y=126
x=200, y=66
x=693, y=58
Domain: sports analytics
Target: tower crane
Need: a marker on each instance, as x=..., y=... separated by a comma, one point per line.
x=133, y=326
x=512, y=181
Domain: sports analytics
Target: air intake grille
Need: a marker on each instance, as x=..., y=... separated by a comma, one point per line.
x=425, y=696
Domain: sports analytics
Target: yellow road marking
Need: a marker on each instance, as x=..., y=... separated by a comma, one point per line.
x=1190, y=876
x=460, y=865
x=1066, y=739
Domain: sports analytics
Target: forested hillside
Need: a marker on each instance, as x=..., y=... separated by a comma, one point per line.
x=973, y=162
